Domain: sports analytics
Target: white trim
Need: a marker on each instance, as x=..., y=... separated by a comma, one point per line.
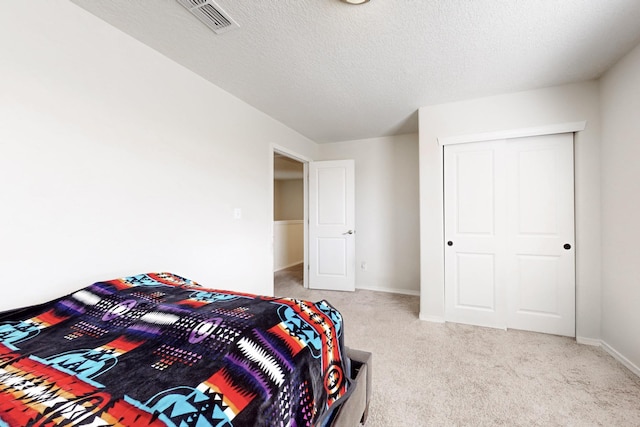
x=589, y=341
x=287, y=152
x=289, y=221
x=514, y=133
x=613, y=352
x=288, y=266
x=305, y=226
x=390, y=290
x=620, y=358
x=433, y=319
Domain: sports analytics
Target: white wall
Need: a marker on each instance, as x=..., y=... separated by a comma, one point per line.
x=561, y=104
x=620, y=97
x=288, y=199
x=115, y=160
x=386, y=210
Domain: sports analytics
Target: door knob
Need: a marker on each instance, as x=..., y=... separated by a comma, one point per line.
x=450, y=243
x=567, y=246
x=349, y=232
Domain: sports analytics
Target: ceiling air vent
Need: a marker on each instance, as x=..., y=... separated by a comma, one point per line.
x=210, y=14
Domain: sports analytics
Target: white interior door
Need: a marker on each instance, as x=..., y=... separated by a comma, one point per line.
x=332, y=225
x=510, y=220
x=475, y=242
x=541, y=291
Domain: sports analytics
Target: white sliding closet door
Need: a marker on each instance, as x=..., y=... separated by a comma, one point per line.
x=540, y=229
x=509, y=217
x=475, y=211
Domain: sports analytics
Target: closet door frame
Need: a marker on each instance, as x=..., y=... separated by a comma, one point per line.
x=501, y=320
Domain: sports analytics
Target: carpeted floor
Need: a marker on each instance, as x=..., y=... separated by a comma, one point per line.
x=428, y=374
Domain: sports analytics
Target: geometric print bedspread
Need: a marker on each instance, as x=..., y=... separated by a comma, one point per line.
x=157, y=349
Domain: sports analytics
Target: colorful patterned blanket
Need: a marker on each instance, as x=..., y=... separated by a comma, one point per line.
x=157, y=349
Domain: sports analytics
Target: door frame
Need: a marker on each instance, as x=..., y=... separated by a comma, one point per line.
x=278, y=149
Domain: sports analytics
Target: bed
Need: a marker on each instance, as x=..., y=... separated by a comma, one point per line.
x=158, y=349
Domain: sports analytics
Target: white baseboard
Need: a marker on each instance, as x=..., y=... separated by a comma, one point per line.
x=620, y=358
x=589, y=341
x=434, y=319
x=612, y=351
x=390, y=290
x=288, y=266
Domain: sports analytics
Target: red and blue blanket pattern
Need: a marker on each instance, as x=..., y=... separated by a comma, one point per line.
x=157, y=349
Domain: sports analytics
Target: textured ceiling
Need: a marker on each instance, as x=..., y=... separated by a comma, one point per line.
x=336, y=72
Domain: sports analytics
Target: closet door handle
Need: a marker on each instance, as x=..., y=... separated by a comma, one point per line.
x=567, y=246
x=449, y=243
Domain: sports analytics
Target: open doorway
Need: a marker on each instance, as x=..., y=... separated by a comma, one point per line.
x=326, y=220
x=289, y=213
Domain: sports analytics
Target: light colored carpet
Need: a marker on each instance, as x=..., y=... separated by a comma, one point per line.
x=428, y=374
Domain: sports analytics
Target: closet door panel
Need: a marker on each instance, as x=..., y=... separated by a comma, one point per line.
x=541, y=291
x=474, y=242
